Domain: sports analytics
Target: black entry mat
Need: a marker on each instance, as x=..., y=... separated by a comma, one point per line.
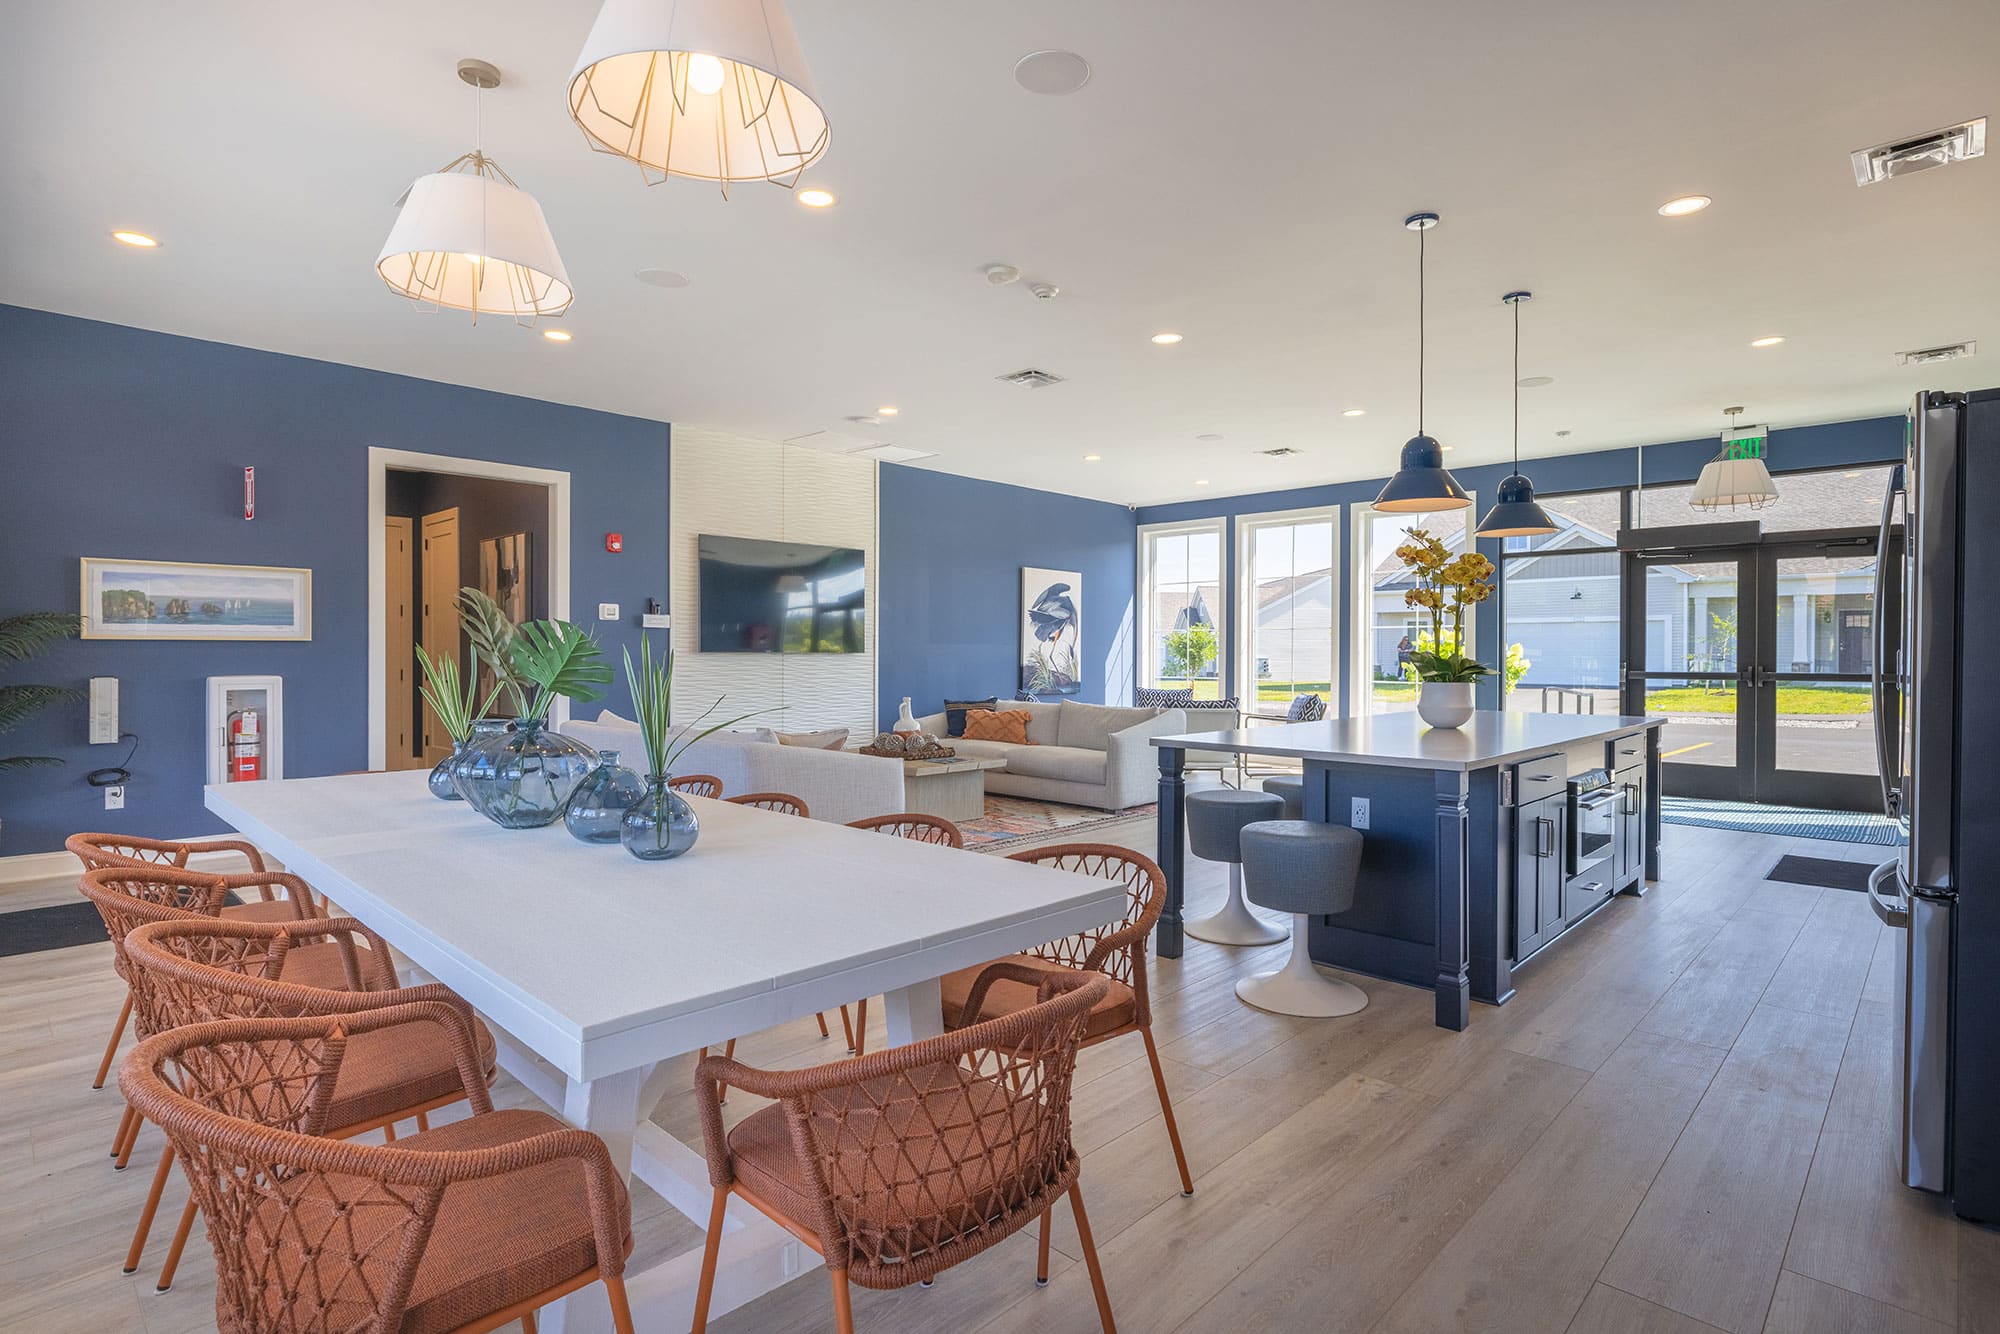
x=33, y=930
x=1822, y=871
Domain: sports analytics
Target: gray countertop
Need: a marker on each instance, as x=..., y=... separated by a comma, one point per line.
x=1403, y=740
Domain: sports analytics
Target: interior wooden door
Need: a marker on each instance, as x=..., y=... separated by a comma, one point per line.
x=400, y=665
x=440, y=613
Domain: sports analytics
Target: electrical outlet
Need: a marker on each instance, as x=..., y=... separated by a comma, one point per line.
x=114, y=797
x=1359, y=813
x=607, y=611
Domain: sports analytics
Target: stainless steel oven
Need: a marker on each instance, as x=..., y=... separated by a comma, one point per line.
x=1594, y=802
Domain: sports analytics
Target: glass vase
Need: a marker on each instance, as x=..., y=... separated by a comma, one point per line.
x=660, y=824
x=522, y=779
x=443, y=786
x=601, y=800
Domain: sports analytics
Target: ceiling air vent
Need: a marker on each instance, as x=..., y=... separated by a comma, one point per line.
x=1281, y=452
x=1929, y=356
x=1032, y=379
x=1904, y=157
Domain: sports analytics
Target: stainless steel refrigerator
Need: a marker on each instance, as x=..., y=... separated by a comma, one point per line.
x=1937, y=721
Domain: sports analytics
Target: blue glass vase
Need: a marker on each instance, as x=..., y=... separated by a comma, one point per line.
x=601, y=800
x=660, y=824
x=443, y=786
x=522, y=779
x=461, y=755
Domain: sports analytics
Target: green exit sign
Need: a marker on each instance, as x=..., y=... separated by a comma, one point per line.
x=1744, y=443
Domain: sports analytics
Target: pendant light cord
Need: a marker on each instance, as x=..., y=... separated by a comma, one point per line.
x=1517, y=386
x=1422, y=234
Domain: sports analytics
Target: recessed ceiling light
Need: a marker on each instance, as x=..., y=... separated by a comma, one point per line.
x=1052, y=73
x=1093, y=458
x=1684, y=205
x=887, y=412
x=661, y=278
x=1166, y=339
x=557, y=335
x=1355, y=412
x=1447, y=448
x=1535, y=381
x=816, y=198
x=1850, y=474
x=138, y=240
x=1201, y=481
x=1771, y=340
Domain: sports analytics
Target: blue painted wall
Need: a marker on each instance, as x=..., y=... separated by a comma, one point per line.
x=948, y=586
x=124, y=443
x=1800, y=449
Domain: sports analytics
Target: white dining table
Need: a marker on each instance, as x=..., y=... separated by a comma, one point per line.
x=595, y=969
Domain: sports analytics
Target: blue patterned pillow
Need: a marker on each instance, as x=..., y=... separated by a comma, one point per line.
x=1306, y=709
x=955, y=711
x=1228, y=702
x=1148, y=698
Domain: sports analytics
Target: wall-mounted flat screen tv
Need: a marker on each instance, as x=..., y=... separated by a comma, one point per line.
x=781, y=597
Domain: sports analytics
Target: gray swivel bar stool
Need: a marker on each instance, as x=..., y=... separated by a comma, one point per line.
x=1304, y=868
x=1214, y=819
x=1292, y=791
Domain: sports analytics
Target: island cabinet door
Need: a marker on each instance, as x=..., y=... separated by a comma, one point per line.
x=1631, y=857
x=1538, y=873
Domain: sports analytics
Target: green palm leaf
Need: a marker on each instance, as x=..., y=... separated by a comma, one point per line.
x=492, y=635
x=23, y=636
x=27, y=762
x=19, y=702
x=558, y=658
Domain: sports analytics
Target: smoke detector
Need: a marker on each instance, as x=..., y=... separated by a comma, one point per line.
x=1906, y=157
x=1032, y=378
x=999, y=275
x=1930, y=356
x=1282, y=451
x=1044, y=291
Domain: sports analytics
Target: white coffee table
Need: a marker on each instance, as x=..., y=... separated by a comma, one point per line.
x=954, y=788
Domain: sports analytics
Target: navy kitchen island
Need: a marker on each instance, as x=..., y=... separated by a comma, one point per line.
x=1484, y=843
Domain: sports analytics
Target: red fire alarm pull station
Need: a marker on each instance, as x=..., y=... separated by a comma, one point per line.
x=614, y=542
x=249, y=494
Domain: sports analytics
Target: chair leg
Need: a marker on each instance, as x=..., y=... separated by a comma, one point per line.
x=389, y=1132
x=847, y=1028
x=132, y=1130
x=843, y=1302
x=111, y=1047
x=1167, y=1111
x=728, y=1054
x=1042, y=1257
x=528, y=1323
x=424, y=1123
x=824, y=1031
x=708, y=1255
x=124, y=1129
x=1090, y=1259
x=180, y=1244
x=621, y=1309
x=152, y=1206
x=861, y=1027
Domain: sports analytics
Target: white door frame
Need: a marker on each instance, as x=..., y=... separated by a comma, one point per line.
x=380, y=462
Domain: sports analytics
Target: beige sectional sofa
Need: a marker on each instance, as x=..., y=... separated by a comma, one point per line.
x=1081, y=754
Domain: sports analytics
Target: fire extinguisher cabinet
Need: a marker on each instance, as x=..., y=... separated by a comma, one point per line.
x=246, y=728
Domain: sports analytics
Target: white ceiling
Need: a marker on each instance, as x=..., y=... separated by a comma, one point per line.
x=1236, y=172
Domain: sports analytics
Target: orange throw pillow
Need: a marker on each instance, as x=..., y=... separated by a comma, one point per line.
x=994, y=725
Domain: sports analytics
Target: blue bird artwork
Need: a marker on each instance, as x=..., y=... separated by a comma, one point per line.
x=1051, y=632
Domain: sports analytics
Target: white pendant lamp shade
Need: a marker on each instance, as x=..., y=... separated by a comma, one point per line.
x=468, y=238
x=715, y=90
x=1730, y=484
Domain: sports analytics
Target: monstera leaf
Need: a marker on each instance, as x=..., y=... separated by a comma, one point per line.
x=558, y=658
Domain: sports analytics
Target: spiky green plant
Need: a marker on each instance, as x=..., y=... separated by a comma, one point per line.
x=21, y=638
x=652, y=685
x=448, y=699
x=557, y=658
x=492, y=633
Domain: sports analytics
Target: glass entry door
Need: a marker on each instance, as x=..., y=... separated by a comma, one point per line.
x=1814, y=702
x=1691, y=647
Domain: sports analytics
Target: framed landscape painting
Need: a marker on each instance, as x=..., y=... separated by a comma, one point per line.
x=1051, y=631
x=153, y=599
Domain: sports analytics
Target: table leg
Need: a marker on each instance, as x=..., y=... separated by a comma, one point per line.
x=610, y=1109
x=1454, y=981
x=913, y=1012
x=1172, y=847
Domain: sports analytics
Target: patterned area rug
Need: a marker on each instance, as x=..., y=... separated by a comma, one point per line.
x=1794, y=821
x=1017, y=820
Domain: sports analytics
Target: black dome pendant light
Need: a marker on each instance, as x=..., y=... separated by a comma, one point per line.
x=1516, y=513
x=1422, y=483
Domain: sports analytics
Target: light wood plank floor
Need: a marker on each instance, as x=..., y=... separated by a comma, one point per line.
x=1683, y=1122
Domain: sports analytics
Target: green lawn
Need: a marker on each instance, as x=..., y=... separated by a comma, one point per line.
x=1268, y=692
x=1792, y=699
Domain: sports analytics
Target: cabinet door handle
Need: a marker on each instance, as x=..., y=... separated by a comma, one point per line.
x=1545, y=847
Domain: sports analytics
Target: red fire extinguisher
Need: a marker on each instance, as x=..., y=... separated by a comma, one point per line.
x=246, y=747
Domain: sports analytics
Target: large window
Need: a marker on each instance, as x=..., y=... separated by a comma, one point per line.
x=1288, y=610
x=1560, y=597
x=1388, y=629
x=1182, y=605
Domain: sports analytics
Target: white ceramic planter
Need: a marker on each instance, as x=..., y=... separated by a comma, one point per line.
x=1445, y=703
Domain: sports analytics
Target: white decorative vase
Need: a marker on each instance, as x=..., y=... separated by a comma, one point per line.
x=1445, y=703
x=905, y=724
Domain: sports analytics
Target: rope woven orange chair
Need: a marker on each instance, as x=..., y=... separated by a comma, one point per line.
x=102, y=850
x=1117, y=951
x=464, y=1228
x=897, y=1166
x=697, y=785
x=784, y=803
x=918, y=829
x=190, y=972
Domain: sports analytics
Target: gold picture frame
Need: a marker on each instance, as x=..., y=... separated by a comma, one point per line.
x=176, y=600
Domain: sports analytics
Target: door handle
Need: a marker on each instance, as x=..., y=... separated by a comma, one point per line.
x=1545, y=847
x=1893, y=911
